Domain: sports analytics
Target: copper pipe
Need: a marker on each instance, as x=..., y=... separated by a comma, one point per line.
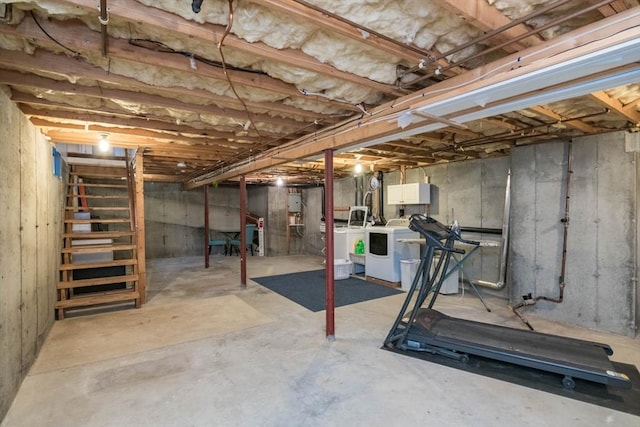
x=516, y=134
x=528, y=299
x=492, y=33
x=565, y=223
x=508, y=42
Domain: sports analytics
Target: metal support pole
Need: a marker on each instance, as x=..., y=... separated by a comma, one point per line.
x=243, y=232
x=104, y=20
x=329, y=284
x=206, y=225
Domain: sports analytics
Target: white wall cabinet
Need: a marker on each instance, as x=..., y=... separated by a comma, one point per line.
x=416, y=193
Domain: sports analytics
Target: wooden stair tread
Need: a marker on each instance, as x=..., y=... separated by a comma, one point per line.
x=103, y=175
x=97, y=196
x=98, y=185
x=98, y=234
x=97, y=281
x=101, y=264
x=102, y=298
x=95, y=220
x=106, y=182
x=99, y=171
x=80, y=168
x=92, y=156
x=88, y=249
x=97, y=208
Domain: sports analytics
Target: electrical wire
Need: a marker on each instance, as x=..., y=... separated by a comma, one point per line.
x=33, y=15
x=360, y=106
x=485, y=36
x=382, y=114
x=226, y=73
x=517, y=62
x=157, y=46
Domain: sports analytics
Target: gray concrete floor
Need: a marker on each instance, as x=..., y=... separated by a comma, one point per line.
x=204, y=352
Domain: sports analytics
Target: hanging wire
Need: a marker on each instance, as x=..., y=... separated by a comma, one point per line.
x=226, y=73
x=33, y=15
x=157, y=46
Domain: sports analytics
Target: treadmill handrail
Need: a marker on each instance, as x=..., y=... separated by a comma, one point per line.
x=434, y=232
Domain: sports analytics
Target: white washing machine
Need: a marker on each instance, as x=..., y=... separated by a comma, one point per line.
x=344, y=241
x=384, y=252
x=345, y=238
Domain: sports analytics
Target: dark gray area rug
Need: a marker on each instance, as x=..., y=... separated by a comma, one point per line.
x=307, y=289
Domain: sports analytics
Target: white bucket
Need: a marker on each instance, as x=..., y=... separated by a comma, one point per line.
x=408, y=269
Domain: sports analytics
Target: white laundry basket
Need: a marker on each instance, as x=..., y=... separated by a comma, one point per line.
x=341, y=269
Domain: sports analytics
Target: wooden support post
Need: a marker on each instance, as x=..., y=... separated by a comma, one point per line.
x=142, y=270
x=329, y=284
x=206, y=226
x=243, y=232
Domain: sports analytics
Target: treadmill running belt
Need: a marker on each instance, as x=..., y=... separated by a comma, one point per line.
x=517, y=341
x=452, y=337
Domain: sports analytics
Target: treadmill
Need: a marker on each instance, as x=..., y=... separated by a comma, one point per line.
x=423, y=329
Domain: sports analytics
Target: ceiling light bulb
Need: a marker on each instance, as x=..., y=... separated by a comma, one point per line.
x=279, y=182
x=103, y=143
x=358, y=168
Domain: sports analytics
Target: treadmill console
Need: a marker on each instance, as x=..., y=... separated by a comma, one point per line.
x=437, y=234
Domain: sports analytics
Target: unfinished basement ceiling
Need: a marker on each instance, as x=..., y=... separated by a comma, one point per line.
x=220, y=91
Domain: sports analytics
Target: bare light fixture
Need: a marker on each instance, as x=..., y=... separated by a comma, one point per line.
x=358, y=168
x=279, y=182
x=103, y=142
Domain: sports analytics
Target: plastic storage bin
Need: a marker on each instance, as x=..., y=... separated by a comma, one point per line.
x=341, y=269
x=358, y=262
x=408, y=269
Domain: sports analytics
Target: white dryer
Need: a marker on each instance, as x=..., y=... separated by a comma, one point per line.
x=384, y=252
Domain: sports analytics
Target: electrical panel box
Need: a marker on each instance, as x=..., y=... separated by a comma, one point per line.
x=295, y=202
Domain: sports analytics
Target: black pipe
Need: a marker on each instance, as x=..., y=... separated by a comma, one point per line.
x=381, y=198
x=528, y=299
x=196, y=5
x=482, y=230
x=322, y=186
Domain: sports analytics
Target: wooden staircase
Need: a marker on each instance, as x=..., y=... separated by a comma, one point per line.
x=100, y=262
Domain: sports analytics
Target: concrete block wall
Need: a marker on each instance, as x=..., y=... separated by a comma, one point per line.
x=31, y=208
x=276, y=224
x=600, y=290
x=601, y=262
x=174, y=218
x=257, y=202
x=472, y=193
x=306, y=239
x=312, y=219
